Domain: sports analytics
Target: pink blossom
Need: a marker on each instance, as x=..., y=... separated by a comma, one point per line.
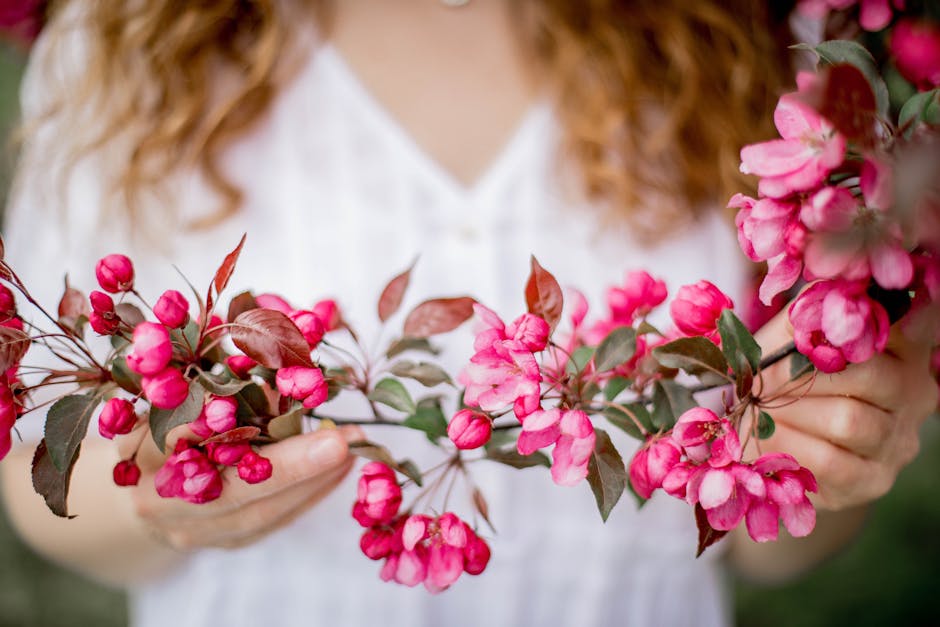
x=172, y=309
x=254, y=468
x=378, y=495
x=310, y=325
x=874, y=15
x=220, y=413
x=200, y=427
x=725, y=493
x=117, y=418
x=810, y=148
x=639, y=295
x=476, y=554
x=240, y=365
x=706, y=437
x=539, y=429
x=835, y=322
x=676, y=481
x=786, y=484
x=273, y=301
x=303, y=384
x=503, y=373
x=470, y=429
x=329, y=314
x=8, y=415
x=696, y=308
x=382, y=540
x=572, y=434
x=652, y=463
x=408, y=568
x=530, y=331
x=915, y=46
x=115, y=273
x=152, y=349
x=189, y=475
x=126, y=473
x=165, y=390
x=226, y=453
x=103, y=318
x=444, y=540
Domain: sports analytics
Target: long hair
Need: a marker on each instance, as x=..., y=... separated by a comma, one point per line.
x=654, y=97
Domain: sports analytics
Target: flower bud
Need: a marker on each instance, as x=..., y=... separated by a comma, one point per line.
x=476, y=554
x=273, y=301
x=126, y=473
x=470, y=429
x=103, y=318
x=172, y=309
x=165, y=390
x=915, y=46
x=189, y=475
x=152, y=349
x=254, y=468
x=240, y=365
x=7, y=302
x=117, y=418
x=220, y=413
x=227, y=453
x=7, y=419
x=115, y=273
x=378, y=496
x=101, y=302
x=697, y=307
x=531, y=331
x=328, y=312
x=651, y=464
x=379, y=542
x=310, y=326
x=303, y=384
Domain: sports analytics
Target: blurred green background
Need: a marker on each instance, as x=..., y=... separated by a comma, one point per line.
x=889, y=577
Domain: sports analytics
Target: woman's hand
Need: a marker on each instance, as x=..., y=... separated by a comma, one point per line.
x=854, y=429
x=306, y=468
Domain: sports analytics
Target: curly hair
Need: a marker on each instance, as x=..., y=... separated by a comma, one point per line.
x=654, y=97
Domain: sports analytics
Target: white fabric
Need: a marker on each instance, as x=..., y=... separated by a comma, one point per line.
x=338, y=200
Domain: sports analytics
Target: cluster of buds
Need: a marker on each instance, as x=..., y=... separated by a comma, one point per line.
x=10, y=385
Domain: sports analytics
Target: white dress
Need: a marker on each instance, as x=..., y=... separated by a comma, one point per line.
x=338, y=200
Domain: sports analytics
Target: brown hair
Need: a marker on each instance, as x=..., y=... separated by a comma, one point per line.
x=653, y=96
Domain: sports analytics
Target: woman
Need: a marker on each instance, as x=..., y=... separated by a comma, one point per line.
x=346, y=139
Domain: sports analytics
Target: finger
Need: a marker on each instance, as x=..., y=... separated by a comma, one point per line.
x=294, y=460
x=857, y=427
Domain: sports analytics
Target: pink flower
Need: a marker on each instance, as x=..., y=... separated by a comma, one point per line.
x=226, y=453
x=470, y=429
x=172, y=309
x=706, y=437
x=189, y=475
x=103, y=318
x=809, y=150
x=915, y=46
x=8, y=415
x=254, y=468
x=725, y=493
x=835, y=322
x=640, y=294
x=240, y=365
x=444, y=542
x=165, y=390
x=652, y=463
x=572, y=434
x=303, y=384
x=378, y=496
x=126, y=473
x=329, y=314
x=786, y=485
x=530, y=331
x=117, y=418
x=152, y=349
x=310, y=325
x=696, y=309
x=115, y=273
x=501, y=374
x=275, y=302
x=220, y=413
x=408, y=568
x=382, y=540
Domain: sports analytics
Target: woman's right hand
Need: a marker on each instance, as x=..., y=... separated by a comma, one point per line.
x=306, y=468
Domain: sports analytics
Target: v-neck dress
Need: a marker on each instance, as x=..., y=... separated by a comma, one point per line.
x=338, y=199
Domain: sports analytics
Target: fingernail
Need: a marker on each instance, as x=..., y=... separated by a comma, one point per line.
x=327, y=450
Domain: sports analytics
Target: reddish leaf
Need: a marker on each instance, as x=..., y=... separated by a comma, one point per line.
x=543, y=294
x=13, y=345
x=479, y=502
x=73, y=303
x=240, y=304
x=271, y=339
x=438, y=315
x=391, y=297
x=232, y=436
x=849, y=103
x=707, y=535
x=224, y=273
x=51, y=484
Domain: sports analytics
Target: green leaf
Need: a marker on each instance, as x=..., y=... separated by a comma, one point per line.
x=391, y=392
x=286, y=425
x=220, y=385
x=420, y=344
x=425, y=373
x=126, y=378
x=621, y=418
x=162, y=421
x=618, y=347
x=737, y=343
x=188, y=336
x=921, y=107
x=66, y=426
x=800, y=365
x=765, y=426
x=579, y=359
x=696, y=355
x=252, y=404
x=843, y=51
x=49, y=482
x=615, y=386
x=670, y=400
x=512, y=457
x=645, y=328
x=410, y=470
x=607, y=475
x=429, y=418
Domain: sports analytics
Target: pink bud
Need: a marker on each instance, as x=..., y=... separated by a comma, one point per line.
x=651, y=464
x=470, y=429
x=101, y=302
x=273, y=301
x=117, y=418
x=303, y=384
x=200, y=427
x=915, y=46
x=240, y=365
x=328, y=313
x=227, y=453
x=531, y=331
x=476, y=554
x=697, y=307
x=7, y=302
x=115, y=273
x=254, y=468
x=378, y=495
x=152, y=349
x=165, y=390
x=220, y=413
x=104, y=323
x=7, y=419
x=310, y=326
x=189, y=475
x=379, y=542
x=172, y=309
x=126, y=473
